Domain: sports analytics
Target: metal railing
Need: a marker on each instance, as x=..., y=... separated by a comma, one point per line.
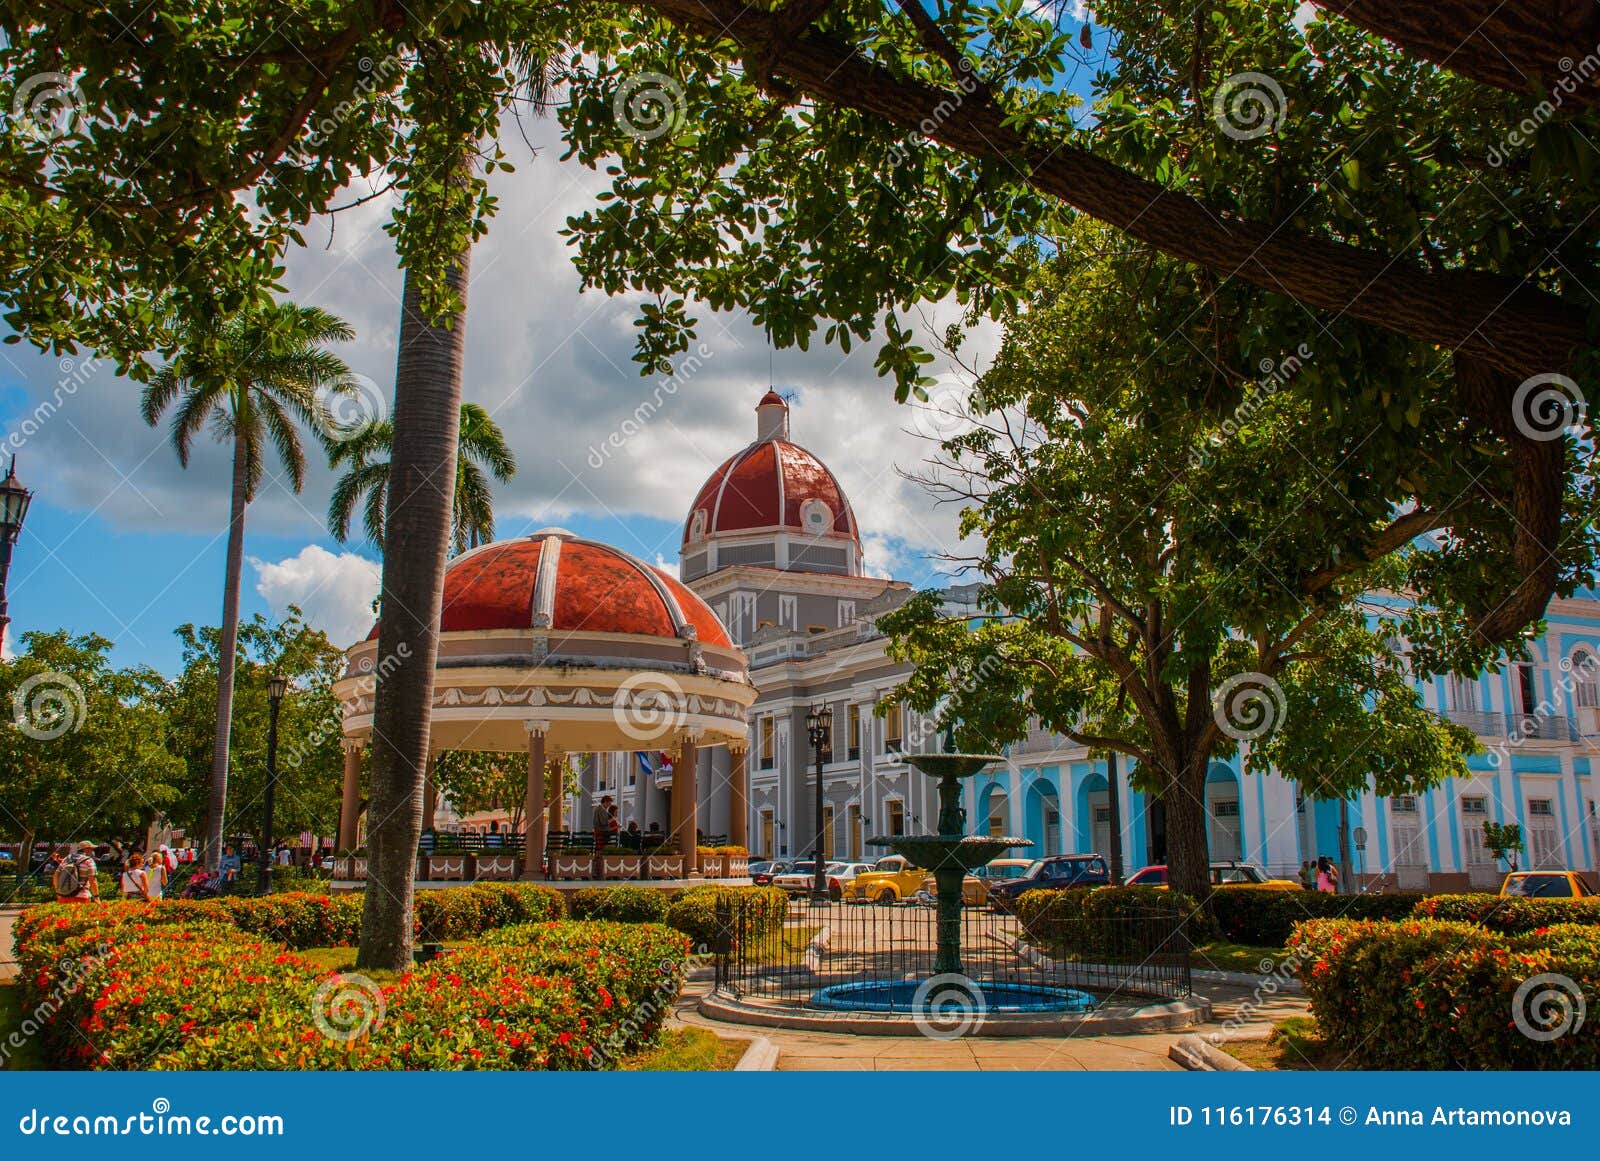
x=821, y=947
x=1492, y=724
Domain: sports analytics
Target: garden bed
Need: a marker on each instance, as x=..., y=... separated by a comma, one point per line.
x=185, y=989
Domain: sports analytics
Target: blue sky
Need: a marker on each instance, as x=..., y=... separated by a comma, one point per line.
x=123, y=542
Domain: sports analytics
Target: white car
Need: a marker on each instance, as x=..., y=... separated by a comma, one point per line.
x=800, y=880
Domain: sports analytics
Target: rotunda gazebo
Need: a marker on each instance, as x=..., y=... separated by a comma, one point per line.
x=551, y=644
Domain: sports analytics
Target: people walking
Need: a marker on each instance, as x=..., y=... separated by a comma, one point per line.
x=74, y=878
x=1308, y=875
x=136, y=880
x=1327, y=876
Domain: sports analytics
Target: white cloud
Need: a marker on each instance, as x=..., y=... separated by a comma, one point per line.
x=334, y=592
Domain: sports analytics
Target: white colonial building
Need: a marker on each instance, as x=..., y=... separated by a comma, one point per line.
x=771, y=544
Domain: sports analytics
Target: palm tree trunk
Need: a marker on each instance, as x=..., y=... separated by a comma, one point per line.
x=215, y=820
x=416, y=541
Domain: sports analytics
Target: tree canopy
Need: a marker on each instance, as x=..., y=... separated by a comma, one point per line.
x=1179, y=557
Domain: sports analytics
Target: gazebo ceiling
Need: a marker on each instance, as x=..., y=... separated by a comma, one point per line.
x=580, y=641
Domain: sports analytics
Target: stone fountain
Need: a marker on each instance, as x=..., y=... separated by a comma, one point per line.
x=952, y=852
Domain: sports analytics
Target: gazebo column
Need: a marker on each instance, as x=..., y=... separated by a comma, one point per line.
x=350, y=807
x=686, y=801
x=739, y=796
x=430, y=792
x=558, y=790
x=536, y=824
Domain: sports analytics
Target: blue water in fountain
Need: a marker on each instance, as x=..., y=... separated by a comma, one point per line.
x=901, y=996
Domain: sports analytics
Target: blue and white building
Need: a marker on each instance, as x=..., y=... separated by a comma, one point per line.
x=771, y=544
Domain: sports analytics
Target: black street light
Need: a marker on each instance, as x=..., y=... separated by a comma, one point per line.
x=14, y=501
x=277, y=686
x=819, y=727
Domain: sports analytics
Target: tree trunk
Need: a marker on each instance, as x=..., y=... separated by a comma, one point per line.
x=1188, y=849
x=416, y=541
x=25, y=855
x=218, y=805
x=1518, y=46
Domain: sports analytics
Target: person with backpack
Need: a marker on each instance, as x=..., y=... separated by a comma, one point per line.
x=74, y=880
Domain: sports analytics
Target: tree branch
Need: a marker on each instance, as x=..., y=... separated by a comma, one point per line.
x=1502, y=321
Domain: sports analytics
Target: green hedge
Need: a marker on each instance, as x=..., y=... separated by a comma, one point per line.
x=1511, y=915
x=1112, y=922
x=620, y=904
x=1432, y=994
x=1264, y=917
x=205, y=995
x=694, y=911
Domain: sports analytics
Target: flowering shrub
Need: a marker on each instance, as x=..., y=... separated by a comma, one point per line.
x=623, y=904
x=1508, y=914
x=1433, y=994
x=165, y=995
x=299, y=920
x=693, y=911
x=1264, y=916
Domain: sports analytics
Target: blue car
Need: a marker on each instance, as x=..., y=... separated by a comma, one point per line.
x=1055, y=872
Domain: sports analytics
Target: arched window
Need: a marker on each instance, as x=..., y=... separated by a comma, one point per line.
x=1585, y=677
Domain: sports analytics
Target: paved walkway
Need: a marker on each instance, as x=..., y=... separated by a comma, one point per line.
x=834, y=1052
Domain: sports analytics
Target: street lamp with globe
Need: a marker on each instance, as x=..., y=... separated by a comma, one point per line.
x=14, y=501
x=819, y=728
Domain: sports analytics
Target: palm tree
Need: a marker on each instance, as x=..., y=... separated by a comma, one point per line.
x=420, y=502
x=250, y=377
x=480, y=447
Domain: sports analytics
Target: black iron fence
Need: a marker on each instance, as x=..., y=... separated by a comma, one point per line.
x=816, y=948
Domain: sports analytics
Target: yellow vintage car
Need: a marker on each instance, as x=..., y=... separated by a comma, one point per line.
x=1545, y=885
x=1225, y=874
x=975, y=887
x=891, y=879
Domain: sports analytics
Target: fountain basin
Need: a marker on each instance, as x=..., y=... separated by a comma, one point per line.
x=953, y=765
x=902, y=996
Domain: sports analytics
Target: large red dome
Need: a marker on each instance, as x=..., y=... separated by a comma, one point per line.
x=773, y=484
x=555, y=580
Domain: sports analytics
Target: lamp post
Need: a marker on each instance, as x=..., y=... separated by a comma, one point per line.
x=277, y=686
x=14, y=501
x=819, y=728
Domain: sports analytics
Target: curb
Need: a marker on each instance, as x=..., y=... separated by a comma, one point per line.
x=1167, y=1016
x=1032, y=955
x=1197, y=1055
x=1246, y=980
x=761, y=1056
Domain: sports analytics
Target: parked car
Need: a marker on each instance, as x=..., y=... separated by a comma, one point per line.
x=975, y=885
x=1057, y=871
x=799, y=878
x=841, y=875
x=891, y=879
x=1546, y=885
x=761, y=873
x=1231, y=873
